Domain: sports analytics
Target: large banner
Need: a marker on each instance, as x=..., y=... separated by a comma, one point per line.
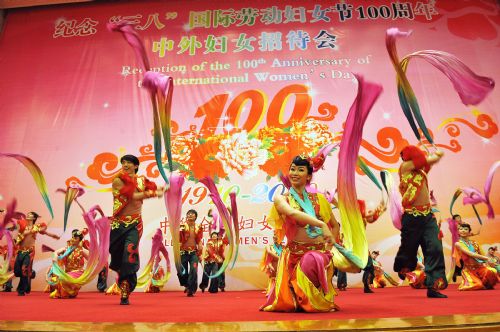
x=254, y=85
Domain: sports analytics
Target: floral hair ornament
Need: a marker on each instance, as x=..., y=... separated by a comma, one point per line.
x=318, y=160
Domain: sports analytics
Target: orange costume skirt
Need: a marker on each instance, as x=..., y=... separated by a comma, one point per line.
x=64, y=290
x=476, y=277
x=416, y=279
x=303, y=280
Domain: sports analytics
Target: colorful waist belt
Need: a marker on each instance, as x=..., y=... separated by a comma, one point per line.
x=303, y=247
x=419, y=210
x=26, y=250
x=125, y=220
x=188, y=250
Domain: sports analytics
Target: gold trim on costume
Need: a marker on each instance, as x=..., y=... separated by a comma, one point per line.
x=125, y=220
x=25, y=250
x=420, y=210
x=300, y=248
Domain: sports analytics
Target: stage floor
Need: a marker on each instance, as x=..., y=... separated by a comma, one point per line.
x=395, y=308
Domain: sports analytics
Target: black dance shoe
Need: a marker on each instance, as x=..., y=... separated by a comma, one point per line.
x=432, y=293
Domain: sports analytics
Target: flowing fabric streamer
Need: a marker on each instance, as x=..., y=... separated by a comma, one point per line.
x=133, y=39
x=323, y=153
x=157, y=248
x=236, y=226
x=394, y=199
x=173, y=202
x=457, y=194
x=230, y=225
x=70, y=195
x=453, y=227
x=364, y=167
x=98, y=231
x=390, y=279
x=285, y=180
x=473, y=196
x=216, y=225
x=368, y=172
x=5, y=275
x=37, y=175
x=384, y=174
x=46, y=248
x=352, y=221
x=160, y=88
x=331, y=198
x=471, y=88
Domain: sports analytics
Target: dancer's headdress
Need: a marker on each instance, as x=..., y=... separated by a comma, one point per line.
x=417, y=156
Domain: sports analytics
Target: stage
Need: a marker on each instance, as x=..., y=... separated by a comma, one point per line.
x=395, y=308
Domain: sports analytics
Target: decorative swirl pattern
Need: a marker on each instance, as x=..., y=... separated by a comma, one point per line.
x=104, y=168
x=453, y=147
x=486, y=127
x=391, y=140
x=328, y=112
x=200, y=160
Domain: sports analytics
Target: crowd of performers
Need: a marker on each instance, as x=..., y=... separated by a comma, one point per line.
x=129, y=192
x=307, y=249
x=309, y=246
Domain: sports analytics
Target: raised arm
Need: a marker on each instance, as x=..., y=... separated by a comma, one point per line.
x=431, y=159
x=474, y=234
x=148, y=194
x=42, y=229
x=118, y=185
x=54, y=236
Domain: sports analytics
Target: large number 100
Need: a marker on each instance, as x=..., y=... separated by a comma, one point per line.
x=214, y=108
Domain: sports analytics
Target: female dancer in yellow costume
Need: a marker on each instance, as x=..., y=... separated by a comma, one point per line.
x=309, y=259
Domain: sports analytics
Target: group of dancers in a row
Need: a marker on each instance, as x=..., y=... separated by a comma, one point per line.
x=73, y=257
x=300, y=271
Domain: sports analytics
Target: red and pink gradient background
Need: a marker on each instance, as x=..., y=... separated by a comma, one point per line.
x=64, y=102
